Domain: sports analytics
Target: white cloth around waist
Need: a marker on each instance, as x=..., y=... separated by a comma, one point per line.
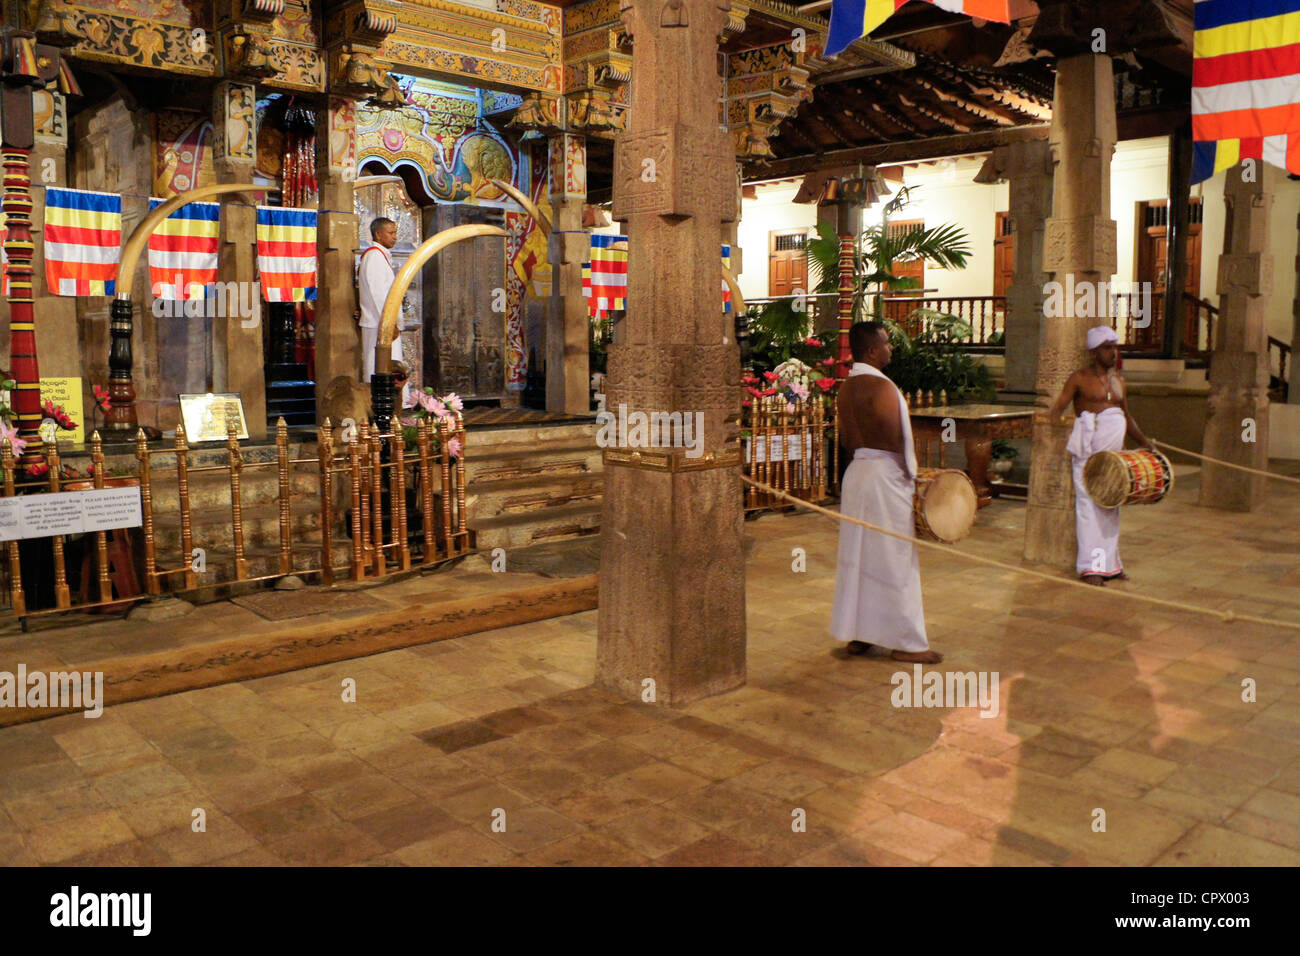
x=881, y=453
x=1087, y=426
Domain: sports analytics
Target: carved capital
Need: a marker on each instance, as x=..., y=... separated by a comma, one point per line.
x=1247, y=273
x=1086, y=244
x=676, y=172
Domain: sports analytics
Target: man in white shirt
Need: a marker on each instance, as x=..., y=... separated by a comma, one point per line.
x=374, y=279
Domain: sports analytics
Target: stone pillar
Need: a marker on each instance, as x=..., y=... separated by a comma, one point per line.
x=1028, y=169
x=236, y=341
x=1237, y=427
x=672, y=583
x=338, y=343
x=1078, y=240
x=568, y=381
x=60, y=345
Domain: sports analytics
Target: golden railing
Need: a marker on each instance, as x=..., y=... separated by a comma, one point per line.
x=356, y=476
x=786, y=449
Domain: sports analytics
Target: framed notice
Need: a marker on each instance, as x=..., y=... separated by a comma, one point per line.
x=69, y=512
x=205, y=416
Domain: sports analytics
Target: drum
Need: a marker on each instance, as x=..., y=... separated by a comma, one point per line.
x=1138, y=477
x=944, y=504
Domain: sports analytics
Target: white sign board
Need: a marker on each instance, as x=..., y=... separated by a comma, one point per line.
x=69, y=512
x=776, y=446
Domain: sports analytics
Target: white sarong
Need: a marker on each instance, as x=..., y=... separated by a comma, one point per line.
x=1097, y=527
x=878, y=578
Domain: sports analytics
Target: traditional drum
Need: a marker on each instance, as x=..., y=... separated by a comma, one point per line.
x=1138, y=477
x=944, y=504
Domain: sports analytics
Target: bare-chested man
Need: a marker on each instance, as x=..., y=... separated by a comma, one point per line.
x=878, y=578
x=1102, y=420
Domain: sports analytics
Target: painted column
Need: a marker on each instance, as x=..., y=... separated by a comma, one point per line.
x=672, y=583
x=568, y=387
x=1079, y=240
x=338, y=342
x=1237, y=427
x=236, y=340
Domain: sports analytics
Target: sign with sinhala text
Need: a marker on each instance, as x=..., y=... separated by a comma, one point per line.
x=69, y=512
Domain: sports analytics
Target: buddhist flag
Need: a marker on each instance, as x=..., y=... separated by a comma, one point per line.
x=1245, y=84
x=83, y=241
x=183, y=251
x=286, y=253
x=608, y=272
x=854, y=19
x=726, y=290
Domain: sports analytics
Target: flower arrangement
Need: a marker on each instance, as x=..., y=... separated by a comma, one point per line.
x=793, y=379
x=59, y=416
x=427, y=406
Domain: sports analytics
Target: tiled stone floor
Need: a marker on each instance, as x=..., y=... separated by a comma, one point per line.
x=1104, y=705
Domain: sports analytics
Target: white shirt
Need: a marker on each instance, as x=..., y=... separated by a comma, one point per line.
x=374, y=278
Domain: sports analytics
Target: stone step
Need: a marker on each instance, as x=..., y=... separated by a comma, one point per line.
x=527, y=528
x=219, y=582
x=531, y=436
x=489, y=499
x=573, y=459
x=210, y=490
x=213, y=528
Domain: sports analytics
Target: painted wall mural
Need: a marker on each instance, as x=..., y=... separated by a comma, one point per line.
x=182, y=152
x=441, y=133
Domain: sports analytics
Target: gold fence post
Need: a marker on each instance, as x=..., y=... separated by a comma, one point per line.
x=146, y=507
x=444, y=455
x=17, y=599
x=397, y=490
x=325, y=458
x=462, y=524
x=282, y=473
x=377, y=499
x=101, y=537
x=819, y=449
x=61, y=593
x=183, y=490
x=363, y=439
x=354, y=473
x=236, y=499
x=426, y=490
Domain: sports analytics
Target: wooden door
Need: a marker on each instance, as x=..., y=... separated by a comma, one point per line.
x=787, y=268
x=1004, y=253
x=912, y=268
x=1152, y=255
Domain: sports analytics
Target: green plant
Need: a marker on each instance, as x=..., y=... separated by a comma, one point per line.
x=933, y=360
x=1004, y=449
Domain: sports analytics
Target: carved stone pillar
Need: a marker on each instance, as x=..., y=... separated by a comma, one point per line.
x=1028, y=169
x=567, y=376
x=672, y=588
x=1079, y=240
x=237, y=341
x=338, y=343
x=1237, y=427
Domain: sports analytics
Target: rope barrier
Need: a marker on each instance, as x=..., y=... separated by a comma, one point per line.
x=1225, y=464
x=1226, y=616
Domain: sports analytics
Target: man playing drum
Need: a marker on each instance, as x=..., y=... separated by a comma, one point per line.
x=1102, y=420
x=878, y=578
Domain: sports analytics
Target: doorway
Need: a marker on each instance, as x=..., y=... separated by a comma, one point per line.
x=787, y=258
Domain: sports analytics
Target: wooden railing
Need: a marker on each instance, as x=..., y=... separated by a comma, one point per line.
x=1283, y=350
x=364, y=481
x=786, y=449
x=985, y=314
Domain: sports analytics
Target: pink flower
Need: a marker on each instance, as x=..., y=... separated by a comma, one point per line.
x=410, y=422
x=19, y=444
x=454, y=447
x=789, y=408
x=454, y=401
x=427, y=401
x=799, y=389
x=812, y=341
x=438, y=409
x=746, y=403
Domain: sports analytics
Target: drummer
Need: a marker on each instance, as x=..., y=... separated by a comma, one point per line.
x=1101, y=423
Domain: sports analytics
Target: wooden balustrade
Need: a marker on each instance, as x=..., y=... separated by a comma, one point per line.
x=985, y=314
x=367, y=477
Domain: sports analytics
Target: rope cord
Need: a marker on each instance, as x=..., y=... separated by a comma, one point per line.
x=1225, y=464
x=1226, y=616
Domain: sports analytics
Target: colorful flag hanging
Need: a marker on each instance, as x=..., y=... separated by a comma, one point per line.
x=183, y=251
x=726, y=289
x=83, y=241
x=853, y=19
x=608, y=284
x=286, y=253
x=1245, y=84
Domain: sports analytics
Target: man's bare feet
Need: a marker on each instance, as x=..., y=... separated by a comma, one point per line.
x=917, y=657
x=1095, y=579
x=856, y=648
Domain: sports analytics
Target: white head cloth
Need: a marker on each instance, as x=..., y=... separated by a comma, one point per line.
x=1100, y=335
